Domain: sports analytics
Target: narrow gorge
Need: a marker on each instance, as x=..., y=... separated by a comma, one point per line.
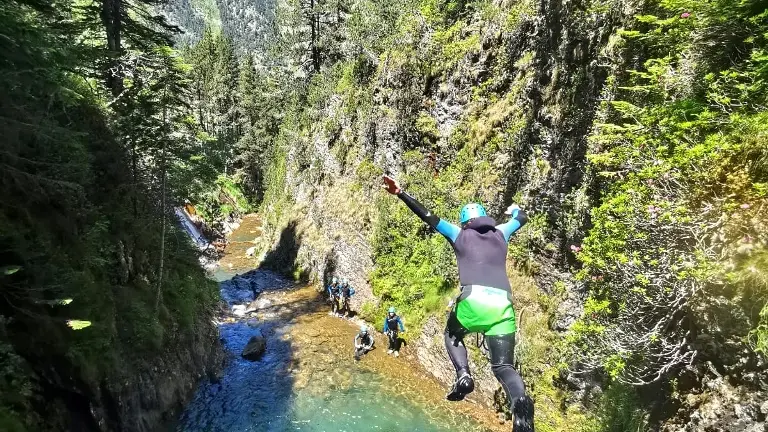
x=632, y=132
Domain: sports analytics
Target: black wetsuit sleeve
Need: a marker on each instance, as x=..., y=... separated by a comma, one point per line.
x=419, y=209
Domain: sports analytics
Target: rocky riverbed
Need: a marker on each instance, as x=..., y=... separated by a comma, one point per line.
x=306, y=378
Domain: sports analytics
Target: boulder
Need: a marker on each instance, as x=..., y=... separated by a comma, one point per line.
x=255, y=347
x=238, y=310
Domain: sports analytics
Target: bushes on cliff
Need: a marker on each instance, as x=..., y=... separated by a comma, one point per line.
x=678, y=239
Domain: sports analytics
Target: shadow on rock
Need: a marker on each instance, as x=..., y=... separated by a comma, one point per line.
x=282, y=258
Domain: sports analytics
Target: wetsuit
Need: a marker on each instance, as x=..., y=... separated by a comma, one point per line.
x=391, y=326
x=333, y=296
x=485, y=303
x=332, y=290
x=365, y=341
x=345, y=292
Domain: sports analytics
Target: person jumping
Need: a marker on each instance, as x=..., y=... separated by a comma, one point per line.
x=485, y=304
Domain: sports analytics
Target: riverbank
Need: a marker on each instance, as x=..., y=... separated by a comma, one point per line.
x=307, y=378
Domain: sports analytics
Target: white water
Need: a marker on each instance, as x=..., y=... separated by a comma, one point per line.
x=191, y=229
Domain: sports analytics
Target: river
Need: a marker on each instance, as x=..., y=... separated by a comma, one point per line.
x=307, y=379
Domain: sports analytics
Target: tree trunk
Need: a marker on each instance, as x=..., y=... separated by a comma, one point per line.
x=135, y=174
x=111, y=17
x=163, y=171
x=315, y=24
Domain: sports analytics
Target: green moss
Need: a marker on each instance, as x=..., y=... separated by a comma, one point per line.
x=224, y=198
x=619, y=410
x=427, y=128
x=519, y=11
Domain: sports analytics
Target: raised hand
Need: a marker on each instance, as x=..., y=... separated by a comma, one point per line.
x=391, y=185
x=511, y=209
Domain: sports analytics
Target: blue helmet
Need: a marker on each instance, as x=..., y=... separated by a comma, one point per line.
x=471, y=211
x=363, y=329
x=334, y=280
x=392, y=310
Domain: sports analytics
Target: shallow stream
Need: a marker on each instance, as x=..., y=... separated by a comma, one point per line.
x=307, y=379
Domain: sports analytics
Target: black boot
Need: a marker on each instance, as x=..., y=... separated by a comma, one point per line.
x=463, y=386
x=523, y=415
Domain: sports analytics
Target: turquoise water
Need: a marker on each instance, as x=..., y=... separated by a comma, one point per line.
x=273, y=394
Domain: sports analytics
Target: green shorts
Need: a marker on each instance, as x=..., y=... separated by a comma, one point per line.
x=483, y=310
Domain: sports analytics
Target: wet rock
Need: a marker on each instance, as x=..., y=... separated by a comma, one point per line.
x=430, y=351
x=259, y=304
x=255, y=348
x=253, y=323
x=238, y=310
x=723, y=407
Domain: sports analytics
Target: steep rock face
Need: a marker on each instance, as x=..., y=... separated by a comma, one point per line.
x=547, y=73
x=153, y=397
x=143, y=397
x=430, y=350
x=724, y=407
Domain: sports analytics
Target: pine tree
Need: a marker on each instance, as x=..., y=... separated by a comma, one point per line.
x=98, y=145
x=225, y=98
x=202, y=56
x=259, y=106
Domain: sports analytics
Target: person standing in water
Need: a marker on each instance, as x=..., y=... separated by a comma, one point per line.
x=485, y=303
x=392, y=323
x=363, y=342
x=345, y=294
x=334, y=290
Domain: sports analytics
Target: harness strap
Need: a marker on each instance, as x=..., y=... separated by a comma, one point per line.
x=466, y=291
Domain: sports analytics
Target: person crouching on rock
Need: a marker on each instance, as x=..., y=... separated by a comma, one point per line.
x=392, y=323
x=363, y=342
x=485, y=304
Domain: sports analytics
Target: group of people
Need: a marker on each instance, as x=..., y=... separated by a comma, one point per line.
x=393, y=326
x=484, y=304
x=339, y=293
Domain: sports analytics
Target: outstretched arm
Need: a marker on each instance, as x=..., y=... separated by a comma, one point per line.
x=518, y=219
x=449, y=230
x=400, y=323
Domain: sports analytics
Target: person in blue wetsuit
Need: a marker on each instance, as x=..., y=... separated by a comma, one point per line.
x=333, y=293
x=333, y=287
x=485, y=304
x=393, y=323
x=363, y=342
x=345, y=293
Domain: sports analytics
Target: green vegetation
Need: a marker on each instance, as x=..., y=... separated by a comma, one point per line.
x=670, y=209
x=659, y=215
x=680, y=230
x=98, y=147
